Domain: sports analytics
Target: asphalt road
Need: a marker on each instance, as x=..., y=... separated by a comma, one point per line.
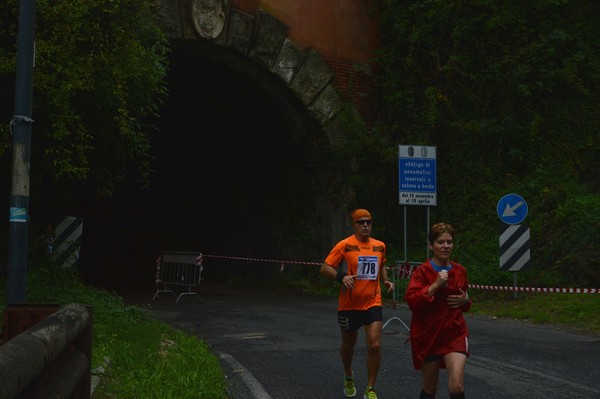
x=285, y=346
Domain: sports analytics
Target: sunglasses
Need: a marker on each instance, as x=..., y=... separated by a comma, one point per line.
x=367, y=221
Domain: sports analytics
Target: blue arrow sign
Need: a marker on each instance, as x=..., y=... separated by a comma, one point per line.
x=512, y=209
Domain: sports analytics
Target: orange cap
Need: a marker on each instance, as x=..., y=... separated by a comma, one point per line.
x=360, y=213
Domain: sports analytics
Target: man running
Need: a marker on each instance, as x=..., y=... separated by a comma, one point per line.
x=359, y=302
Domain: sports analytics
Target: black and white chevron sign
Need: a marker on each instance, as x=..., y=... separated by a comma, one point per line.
x=67, y=241
x=514, y=247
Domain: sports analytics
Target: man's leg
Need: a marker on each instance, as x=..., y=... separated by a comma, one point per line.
x=373, y=333
x=347, y=350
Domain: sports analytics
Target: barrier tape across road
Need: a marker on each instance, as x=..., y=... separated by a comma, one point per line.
x=405, y=272
x=531, y=289
x=281, y=262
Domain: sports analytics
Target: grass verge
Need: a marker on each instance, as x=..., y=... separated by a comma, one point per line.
x=142, y=357
x=578, y=312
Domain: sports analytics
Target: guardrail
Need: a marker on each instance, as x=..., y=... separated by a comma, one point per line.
x=51, y=358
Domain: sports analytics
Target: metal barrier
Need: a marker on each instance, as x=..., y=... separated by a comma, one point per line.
x=178, y=269
x=402, y=270
x=51, y=358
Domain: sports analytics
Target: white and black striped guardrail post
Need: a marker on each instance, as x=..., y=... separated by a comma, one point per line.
x=67, y=241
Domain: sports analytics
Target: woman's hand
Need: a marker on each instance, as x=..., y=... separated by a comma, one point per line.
x=442, y=278
x=458, y=301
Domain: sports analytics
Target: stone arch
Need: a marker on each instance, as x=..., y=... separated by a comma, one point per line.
x=262, y=38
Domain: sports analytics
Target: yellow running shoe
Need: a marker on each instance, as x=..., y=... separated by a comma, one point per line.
x=370, y=394
x=349, y=388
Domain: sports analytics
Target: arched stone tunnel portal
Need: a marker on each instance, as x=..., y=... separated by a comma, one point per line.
x=239, y=156
x=235, y=176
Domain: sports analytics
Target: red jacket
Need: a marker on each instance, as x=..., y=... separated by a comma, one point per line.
x=436, y=328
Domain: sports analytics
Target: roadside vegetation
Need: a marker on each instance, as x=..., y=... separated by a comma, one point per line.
x=503, y=92
x=139, y=356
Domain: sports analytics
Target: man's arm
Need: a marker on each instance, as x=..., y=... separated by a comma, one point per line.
x=328, y=271
x=342, y=277
x=384, y=279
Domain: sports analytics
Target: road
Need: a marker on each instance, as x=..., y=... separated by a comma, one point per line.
x=285, y=346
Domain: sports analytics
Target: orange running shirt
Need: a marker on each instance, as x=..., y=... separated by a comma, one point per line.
x=364, y=259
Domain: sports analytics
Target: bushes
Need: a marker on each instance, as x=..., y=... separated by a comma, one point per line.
x=503, y=91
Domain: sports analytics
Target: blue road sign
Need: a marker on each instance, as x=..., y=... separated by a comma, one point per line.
x=417, y=175
x=512, y=209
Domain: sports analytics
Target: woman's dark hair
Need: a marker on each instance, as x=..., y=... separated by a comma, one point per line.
x=439, y=228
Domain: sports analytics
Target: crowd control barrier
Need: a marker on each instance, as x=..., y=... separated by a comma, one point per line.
x=402, y=270
x=178, y=269
x=49, y=359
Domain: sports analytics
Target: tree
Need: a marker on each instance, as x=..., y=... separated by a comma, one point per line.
x=509, y=93
x=99, y=73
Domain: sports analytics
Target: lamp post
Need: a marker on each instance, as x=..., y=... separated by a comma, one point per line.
x=21, y=134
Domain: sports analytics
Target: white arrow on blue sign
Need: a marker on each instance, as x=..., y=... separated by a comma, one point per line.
x=512, y=209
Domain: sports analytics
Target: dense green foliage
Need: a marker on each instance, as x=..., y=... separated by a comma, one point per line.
x=508, y=92
x=99, y=71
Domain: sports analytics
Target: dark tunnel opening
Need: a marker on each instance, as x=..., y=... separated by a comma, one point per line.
x=231, y=174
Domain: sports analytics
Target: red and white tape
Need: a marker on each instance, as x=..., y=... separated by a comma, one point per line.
x=532, y=289
x=283, y=262
x=405, y=271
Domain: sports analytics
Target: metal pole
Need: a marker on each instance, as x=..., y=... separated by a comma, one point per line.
x=21, y=135
x=405, y=246
x=426, y=238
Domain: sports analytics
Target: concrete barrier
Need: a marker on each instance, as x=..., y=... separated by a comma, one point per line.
x=50, y=359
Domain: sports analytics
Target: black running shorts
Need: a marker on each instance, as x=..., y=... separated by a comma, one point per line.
x=352, y=320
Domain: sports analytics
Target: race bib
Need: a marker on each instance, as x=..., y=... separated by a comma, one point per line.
x=368, y=267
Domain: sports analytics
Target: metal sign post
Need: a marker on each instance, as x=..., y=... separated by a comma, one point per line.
x=417, y=186
x=417, y=181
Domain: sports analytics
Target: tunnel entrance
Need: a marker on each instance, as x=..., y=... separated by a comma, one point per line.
x=234, y=174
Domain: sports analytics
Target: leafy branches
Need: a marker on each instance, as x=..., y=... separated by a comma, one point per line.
x=99, y=74
x=508, y=92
